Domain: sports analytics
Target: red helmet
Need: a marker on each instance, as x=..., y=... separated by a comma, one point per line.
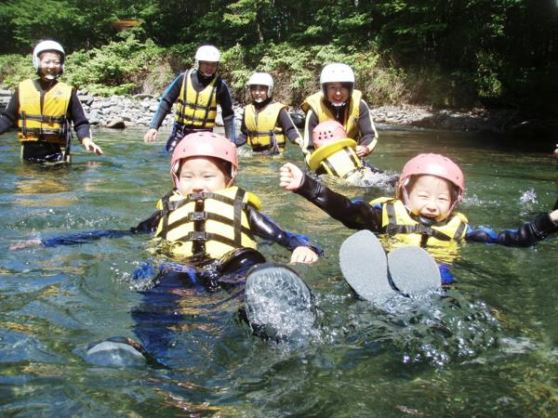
x=327, y=131
x=204, y=144
x=434, y=165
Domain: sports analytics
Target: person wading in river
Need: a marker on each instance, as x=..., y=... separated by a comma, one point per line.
x=43, y=109
x=198, y=91
x=266, y=124
x=338, y=100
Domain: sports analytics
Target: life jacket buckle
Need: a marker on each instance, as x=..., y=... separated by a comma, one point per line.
x=197, y=216
x=198, y=236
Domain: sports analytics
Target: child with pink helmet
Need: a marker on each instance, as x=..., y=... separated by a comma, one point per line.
x=206, y=229
x=422, y=214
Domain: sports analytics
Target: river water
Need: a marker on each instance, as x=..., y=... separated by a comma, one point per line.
x=487, y=348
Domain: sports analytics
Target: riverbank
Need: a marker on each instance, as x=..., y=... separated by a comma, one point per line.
x=120, y=112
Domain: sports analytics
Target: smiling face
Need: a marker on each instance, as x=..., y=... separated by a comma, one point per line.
x=258, y=93
x=50, y=65
x=337, y=93
x=202, y=174
x=208, y=68
x=430, y=197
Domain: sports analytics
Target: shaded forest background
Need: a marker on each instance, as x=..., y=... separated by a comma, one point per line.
x=445, y=53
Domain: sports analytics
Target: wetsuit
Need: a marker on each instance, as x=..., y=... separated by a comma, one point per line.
x=284, y=122
x=41, y=151
x=358, y=214
x=170, y=299
x=260, y=225
x=199, y=82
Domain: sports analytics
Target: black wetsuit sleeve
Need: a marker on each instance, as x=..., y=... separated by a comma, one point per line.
x=366, y=125
x=167, y=100
x=263, y=227
x=8, y=118
x=224, y=99
x=354, y=214
x=288, y=126
x=147, y=226
x=77, y=116
x=526, y=235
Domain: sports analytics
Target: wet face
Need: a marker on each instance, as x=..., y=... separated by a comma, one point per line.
x=258, y=93
x=50, y=65
x=208, y=68
x=201, y=174
x=337, y=93
x=430, y=197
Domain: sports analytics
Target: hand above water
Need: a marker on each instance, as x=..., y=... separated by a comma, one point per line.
x=304, y=255
x=20, y=245
x=290, y=177
x=150, y=135
x=90, y=146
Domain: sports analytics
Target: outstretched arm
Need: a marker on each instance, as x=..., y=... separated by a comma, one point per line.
x=526, y=235
x=165, y=105
x=76, y=238
x=354, y=214
x=304, y=251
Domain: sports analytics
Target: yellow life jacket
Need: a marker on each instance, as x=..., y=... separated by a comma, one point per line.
x=197, y=109
x=261, y=127
x=322, y=112
x=441, y=241
x=337, y=158
x=206, y=225
x=42, y=115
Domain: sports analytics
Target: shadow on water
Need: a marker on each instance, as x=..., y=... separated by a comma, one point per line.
x=486, y=347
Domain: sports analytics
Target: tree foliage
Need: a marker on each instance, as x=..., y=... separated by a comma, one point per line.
x=452, y=52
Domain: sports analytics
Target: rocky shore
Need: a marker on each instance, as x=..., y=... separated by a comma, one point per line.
x=119, y=112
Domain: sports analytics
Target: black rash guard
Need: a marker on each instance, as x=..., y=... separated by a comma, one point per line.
x=358, y=214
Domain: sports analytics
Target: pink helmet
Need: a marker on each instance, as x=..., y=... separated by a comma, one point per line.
x=434, y=165
x=327, y=131
x=204, y=144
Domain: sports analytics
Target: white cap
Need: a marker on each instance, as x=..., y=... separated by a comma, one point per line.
x=208, y=53
x=261, y=79
x=45, y=46
x=337, y=73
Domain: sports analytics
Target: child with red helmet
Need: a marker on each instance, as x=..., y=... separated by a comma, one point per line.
x=421, y=214
x=208, y=227
x=205, y=217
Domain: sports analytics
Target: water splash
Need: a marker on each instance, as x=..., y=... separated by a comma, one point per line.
x=435, y=328
x=528, y=198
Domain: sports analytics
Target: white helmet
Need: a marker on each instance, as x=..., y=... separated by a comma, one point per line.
x=337, y=73
x=261, y=79
x=207, y=53
x=45, y=46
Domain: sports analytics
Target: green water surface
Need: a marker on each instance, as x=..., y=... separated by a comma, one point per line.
x=486, y=349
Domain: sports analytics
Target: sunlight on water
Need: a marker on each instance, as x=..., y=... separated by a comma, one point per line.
x=485, y=347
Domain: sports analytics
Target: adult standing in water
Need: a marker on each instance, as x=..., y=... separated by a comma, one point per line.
x=198, y=91
x=42, y=110
x=338, y=100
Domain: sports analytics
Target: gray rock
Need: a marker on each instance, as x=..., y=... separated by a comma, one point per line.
x=117, y=123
